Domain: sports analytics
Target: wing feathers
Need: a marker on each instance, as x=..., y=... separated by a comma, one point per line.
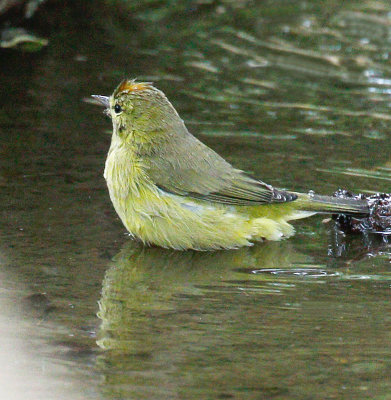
x=187, y=167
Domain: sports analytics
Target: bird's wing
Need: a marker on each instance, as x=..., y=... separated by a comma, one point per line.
x=187, y=167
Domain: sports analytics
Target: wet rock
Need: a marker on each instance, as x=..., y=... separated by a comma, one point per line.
x=379, y=219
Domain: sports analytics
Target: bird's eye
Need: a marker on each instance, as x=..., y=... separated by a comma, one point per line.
x=117, y=108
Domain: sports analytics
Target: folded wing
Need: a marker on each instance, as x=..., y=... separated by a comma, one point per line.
x=185, y=166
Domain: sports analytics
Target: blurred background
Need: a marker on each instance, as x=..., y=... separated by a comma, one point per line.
x=297, y=93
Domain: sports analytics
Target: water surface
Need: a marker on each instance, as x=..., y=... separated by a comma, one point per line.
x=296, y=93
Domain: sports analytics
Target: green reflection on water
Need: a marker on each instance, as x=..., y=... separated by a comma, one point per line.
x=298, y=94
x=196, y=325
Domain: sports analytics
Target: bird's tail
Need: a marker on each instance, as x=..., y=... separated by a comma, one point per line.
x=331, y=205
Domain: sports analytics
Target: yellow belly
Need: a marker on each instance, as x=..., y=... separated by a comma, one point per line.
x=178, y=222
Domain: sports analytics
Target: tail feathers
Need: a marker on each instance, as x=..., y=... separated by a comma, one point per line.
x=332, y=205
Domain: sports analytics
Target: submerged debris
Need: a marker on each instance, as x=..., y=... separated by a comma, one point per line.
x=21, y=39
x=379, y=219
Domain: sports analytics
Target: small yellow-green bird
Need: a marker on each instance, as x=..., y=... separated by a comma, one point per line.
x=171, y=190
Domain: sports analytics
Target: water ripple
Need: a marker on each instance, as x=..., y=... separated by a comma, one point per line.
x=296, y=272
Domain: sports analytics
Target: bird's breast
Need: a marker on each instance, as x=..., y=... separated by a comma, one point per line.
x=125, y=174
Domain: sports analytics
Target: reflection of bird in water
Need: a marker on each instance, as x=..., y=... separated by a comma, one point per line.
x=148, y=281
x=168, y=319
x=159, y=307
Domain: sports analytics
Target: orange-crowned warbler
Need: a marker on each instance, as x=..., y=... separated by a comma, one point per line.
x=171, y=190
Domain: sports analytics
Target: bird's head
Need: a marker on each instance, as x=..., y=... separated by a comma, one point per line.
x=141, y=113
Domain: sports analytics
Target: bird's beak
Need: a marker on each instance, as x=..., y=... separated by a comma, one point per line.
x=101, y=100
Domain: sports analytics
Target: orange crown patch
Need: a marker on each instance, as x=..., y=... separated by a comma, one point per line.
x=132, y=86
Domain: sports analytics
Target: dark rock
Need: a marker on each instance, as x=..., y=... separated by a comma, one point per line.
x=378, y=220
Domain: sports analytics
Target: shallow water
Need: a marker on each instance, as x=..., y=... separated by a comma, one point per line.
x=298, y=93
